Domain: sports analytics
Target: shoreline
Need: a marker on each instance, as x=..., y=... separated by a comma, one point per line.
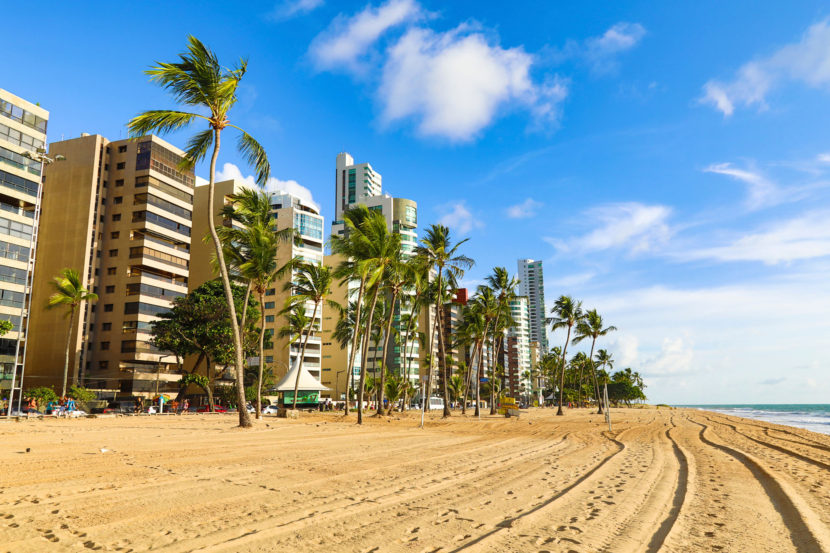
x=664, y=479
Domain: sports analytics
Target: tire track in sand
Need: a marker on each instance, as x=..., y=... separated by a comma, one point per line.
x=803, y=534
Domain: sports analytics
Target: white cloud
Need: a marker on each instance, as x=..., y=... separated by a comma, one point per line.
x=288, y=9
x=274, y=185
x=675, y=357
x=457, y=217
x=631, y=226
x=451, y=84
x=823, y=158
x=524, y=210
x=762, y=192
x=349, y=38
x=803, y=237
x=806, y=61
x=455, y=83
x=601, y=51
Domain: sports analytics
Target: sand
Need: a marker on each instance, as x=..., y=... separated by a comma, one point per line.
x=663, y=480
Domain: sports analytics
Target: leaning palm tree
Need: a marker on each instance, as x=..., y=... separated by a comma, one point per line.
x=311, y=283
x=69, y=293
x=438, y=253
x=566, y=314
x=199, y=82
x=591, y=327
x=504, y=286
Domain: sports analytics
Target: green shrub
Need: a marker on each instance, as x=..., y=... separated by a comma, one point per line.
x=43, y=395
x=81, y=394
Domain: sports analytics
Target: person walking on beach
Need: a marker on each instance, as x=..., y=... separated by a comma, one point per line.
x=185, y=406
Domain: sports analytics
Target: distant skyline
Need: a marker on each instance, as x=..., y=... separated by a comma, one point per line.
x=669, y=164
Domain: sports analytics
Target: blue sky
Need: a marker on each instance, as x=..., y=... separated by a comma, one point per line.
x=669, y=162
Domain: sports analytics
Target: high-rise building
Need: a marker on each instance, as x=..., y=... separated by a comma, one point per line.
x=22, y=138
x=360, y=184
x=517, y=351
x=532, y=286
x=288, y=211
x=120, y=214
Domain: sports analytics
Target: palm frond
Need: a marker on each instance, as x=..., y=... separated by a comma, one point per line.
x=196, y=149
x=160, y=121
x=255, y=155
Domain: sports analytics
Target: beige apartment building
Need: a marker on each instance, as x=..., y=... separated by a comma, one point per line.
x=120, y=214
x=22, y=139
x=289, y=211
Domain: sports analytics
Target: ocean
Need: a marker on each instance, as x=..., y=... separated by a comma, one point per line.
x=814, y=417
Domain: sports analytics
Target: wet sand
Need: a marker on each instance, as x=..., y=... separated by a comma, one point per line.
x=663, y=480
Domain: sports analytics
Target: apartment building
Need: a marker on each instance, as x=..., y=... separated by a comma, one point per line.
x=360, y=184
x=288, y=211
x=532, y=286
x=517, y=349
x=120, y=214
x=22, y=138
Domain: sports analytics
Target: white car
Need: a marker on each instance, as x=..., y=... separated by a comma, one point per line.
x=270, y=410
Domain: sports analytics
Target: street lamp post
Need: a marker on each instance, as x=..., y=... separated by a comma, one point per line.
x=38, y=155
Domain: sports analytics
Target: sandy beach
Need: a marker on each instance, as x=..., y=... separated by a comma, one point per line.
x=664, y=480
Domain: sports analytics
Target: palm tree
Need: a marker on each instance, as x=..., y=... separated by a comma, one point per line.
x=566, y=314
x=439, y=254
x=311, y=283
x=251, y=254
x=505, y=288
x=487, y=304
x=344, y=333
x=357, y=265
x=395, y=279
x=201, y=83
x=604, y=359
x=591, y=327
x=418, y=285
x=70, y=293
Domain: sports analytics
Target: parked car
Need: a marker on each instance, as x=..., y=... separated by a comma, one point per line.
x=270, y=410
x=217, y=408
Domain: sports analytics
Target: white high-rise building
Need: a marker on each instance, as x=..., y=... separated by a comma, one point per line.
x=517, y=351
x=354, y=184
x=532, y=285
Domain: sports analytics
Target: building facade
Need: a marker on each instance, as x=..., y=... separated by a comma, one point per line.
x=22, y=138
x=288, y=211
x=517, y=349
x=120, y=214
x=532, y=286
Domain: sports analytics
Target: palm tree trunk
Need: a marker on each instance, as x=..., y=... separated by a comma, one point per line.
x=478, y=375
x=385, y=352
x=301, y=359
x=244, y=419
x=594, y=373
x=425, y=401
x=355, y=337
x=261, y=352
x=559, y=411
x=468, y=378
x=408, y=359
x=442, y=352
x=493, y=376
x=245, y=305
x=66, y=357
x=364, y=355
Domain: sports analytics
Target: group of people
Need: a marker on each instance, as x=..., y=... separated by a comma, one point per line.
x=64, y=406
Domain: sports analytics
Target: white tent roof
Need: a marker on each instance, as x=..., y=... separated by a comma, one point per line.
x=307, y=381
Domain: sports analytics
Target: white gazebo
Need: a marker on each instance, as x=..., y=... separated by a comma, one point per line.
x=308, y=383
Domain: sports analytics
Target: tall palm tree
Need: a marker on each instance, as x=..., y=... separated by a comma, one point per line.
x=438, y=253
x=487, y=304
x=199, y=82
x=395, y=279
x=69, y=293
x=504, y=286
x=250, y=251
x=311, y=283
x=604, y=359
x=566, y=314
x=591, y=327
x=357, y=265
x=418, y=276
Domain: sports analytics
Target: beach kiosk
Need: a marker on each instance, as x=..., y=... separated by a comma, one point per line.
x=308, y=391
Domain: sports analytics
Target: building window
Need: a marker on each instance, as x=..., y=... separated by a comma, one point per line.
x=270, y=292
x=117, y=200
x=269, y=318
x=269, y=305
x=119, y=182
x=111, y=270
x=113, y=253
x=116, y=217
x=122, y=149
x=106, y=326
x=107, y=307
x=103, y=365
x=269, y=358
x=105, y=346
x=121, y=165
x=115, y=235
x=110, y=289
